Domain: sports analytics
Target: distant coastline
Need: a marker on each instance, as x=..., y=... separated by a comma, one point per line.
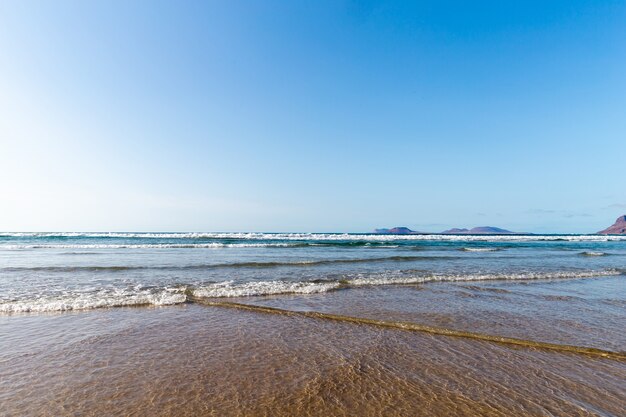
x=480, y=230
x=617, y=228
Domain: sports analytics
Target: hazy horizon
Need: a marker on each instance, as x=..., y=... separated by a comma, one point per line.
x=285, y=231
x=327, y=116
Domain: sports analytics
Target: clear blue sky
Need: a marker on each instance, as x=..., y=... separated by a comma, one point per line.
x=312, y=116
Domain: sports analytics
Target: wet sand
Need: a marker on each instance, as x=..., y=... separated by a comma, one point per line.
x=200, y=360
x=582, y=312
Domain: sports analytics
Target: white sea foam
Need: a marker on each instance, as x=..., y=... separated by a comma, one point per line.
x=322, y=236
x=89, y=301
x=593, y=253
x=256, y=288
x=228, y=289
x=391, y=279
x=214, y=245
x=231, y=289
x=480, y=249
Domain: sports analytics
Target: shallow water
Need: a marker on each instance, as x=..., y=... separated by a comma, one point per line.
x=195, y=360
x=58, y=272
x=582, y=312
x=70, y=345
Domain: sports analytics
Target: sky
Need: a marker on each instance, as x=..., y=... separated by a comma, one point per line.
x=312, y=115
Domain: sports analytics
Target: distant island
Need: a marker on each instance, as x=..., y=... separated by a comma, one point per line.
x=618, y=228
x=398, y=231
x=482, y=230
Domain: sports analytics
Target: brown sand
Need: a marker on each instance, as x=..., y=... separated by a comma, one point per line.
x=200, y=360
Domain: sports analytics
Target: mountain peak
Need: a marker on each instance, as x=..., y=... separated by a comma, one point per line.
x=618, y=228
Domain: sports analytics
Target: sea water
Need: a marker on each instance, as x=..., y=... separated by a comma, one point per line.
x=45, y=272
x=311, y=324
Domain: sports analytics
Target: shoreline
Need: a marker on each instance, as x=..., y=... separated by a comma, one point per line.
x=192, y=360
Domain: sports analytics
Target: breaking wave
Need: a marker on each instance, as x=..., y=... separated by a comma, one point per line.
x=248, y=289
x=522, y=276
x=480, y=249
x=213, y=245
x=230, y=289
x=306, y=263
x=318, y=236
x=255, y=288
x=98, y=299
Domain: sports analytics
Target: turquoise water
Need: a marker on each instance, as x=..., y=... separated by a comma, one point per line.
x=268, y=324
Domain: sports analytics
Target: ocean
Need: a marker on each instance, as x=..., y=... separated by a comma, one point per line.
x=312, y=324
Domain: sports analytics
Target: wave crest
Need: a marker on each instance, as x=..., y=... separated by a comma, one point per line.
x=480, y=249
x=316, y=236
x=96, y=300
x=231, y=289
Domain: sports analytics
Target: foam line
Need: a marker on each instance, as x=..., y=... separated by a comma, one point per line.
x=317, y=236
x=415, y=327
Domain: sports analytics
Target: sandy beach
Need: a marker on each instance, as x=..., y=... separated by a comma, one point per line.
x=194, y=359
x=311, y=325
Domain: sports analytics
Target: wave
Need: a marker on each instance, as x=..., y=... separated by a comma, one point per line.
x=316, y=236
x=99, y=299
x=211, y=245
x=230, y=289
x=593, y=253
x=480, y=249
x=306, y=263
x=522, y=276
x=214, y=245
x=417, y=327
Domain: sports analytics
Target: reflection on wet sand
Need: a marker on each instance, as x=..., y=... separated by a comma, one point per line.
x=198, y=360
x=586, y=313
x=416, y=327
